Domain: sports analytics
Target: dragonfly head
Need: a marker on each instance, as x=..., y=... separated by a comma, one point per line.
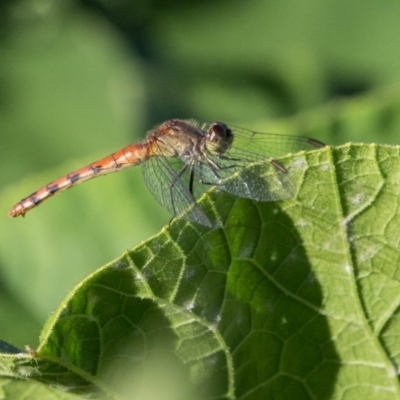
x=219, y=138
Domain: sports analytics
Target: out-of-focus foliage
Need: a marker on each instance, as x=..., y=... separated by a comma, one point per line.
x=81, y=79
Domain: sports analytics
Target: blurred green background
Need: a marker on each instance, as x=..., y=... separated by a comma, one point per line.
x=80, y=79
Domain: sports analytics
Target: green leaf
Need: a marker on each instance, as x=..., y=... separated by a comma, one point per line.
x=296, y=299
x=22, y=390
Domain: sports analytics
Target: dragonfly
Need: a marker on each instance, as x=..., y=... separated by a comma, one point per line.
x=182, y=158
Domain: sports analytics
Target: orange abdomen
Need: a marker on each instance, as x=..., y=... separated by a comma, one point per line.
x=129, y=156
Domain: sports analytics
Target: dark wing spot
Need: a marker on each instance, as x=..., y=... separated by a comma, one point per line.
x=52, y=189
x=73, y=178
x=279, y=166
x=316, y=143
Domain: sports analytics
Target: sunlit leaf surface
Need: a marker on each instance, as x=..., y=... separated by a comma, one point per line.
x=296, y=299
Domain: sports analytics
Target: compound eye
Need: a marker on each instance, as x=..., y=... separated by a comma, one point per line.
x=219, y=138
x=219, y=131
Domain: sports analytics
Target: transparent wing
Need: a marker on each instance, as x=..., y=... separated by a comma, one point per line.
x=269, y=145
x=171, y=190
x=248, y=170
x=260, y=181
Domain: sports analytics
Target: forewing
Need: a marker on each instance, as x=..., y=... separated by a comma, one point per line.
x=248, y=169
x=269, y=145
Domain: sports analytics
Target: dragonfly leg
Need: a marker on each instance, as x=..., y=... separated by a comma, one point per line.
x=213, y=168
